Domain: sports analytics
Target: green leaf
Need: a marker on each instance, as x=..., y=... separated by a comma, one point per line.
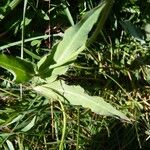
x=68, y=14
x=15, y=120
x=75, y=95
x=27, y=22
x=42, y=15
x=30, y=125
x=73, y=43
x=22, y=70
x=9, y=7
x=10, y=145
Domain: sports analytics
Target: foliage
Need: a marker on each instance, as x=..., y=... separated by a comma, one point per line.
x=89, y=51
x=22, y=70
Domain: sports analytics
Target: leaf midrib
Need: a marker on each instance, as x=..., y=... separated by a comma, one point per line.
x=76, y=36
x=80, y=95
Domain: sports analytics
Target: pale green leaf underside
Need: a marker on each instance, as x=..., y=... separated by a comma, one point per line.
x=10, y=145
x=75, y=95
x=21, y=69
x=73, y=43
x=30, y=125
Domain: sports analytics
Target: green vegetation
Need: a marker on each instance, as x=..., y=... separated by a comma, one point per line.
x=74, y=75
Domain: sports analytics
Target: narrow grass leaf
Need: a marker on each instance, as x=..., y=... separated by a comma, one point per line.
x=15, y=120
x=30, y=125
x=19, y=42
x=10, y=145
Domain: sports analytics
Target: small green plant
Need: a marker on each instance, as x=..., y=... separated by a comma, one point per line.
x=90, y=75
x=57, y=62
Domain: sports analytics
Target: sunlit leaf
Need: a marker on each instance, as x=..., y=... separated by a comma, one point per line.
x=22, y=70
x=30, y=125
x=10, y=145
x=15, y=119
x=75, y=95
x=73, y=43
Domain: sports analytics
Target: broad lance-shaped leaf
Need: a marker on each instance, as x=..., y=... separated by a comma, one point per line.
x=73, y=43
x=75, y=95
x=22, y=70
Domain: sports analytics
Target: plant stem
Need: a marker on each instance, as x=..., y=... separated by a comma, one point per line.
x=61, y=147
